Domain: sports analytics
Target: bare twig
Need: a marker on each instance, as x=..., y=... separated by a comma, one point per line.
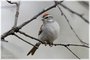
x=58, y=6
x=29, y=36
x=24, y=40
x=53, y=44
x=10, y=32
x=80, y=15
x=11, y=2
x=70, y=45
x=71, y=26
x=72, y=52
x=17, y=11
x=17, y=14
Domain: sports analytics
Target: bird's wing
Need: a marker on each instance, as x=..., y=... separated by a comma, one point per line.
x=40, y=31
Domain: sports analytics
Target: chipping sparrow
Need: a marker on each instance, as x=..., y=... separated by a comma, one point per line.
x=48, y=32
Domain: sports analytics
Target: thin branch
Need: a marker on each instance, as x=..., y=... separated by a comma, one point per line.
x=37, y=15
x=72, y=52
x=10, y=32
x=58, y=6
x=78, y=45
x=17, y=11
x=24, y=40
x=30, y=36
x=17, y=14
x=71, y=45
x=80, y=15
x=71, y=26
x=11, y=2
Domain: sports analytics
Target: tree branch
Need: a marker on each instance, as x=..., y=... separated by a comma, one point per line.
x=17, y=11
x=70, y=25
x=80, y=15
x=72, y=52
x=17, y=14
x=70, y=45
x=30, y=36
x=24, y=40
x=11, y=2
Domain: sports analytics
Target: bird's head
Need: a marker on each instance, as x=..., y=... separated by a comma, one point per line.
x=46, y=17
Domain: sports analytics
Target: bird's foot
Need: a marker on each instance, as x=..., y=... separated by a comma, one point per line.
x=50, y=44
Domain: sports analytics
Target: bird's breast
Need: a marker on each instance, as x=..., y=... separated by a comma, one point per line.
x=50, y=31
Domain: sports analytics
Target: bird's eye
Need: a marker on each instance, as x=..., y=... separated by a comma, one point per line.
x=46, y=17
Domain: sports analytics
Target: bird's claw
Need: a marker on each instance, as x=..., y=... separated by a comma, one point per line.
x=50, y=44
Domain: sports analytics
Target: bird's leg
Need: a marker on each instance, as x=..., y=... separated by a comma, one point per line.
x=50, y=44
x=45, y=43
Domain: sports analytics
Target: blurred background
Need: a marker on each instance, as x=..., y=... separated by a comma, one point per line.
x=16, y=48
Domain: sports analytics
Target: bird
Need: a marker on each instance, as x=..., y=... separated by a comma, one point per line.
x=48, y=33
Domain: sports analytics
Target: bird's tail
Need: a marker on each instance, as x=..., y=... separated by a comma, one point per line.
x=32, y=51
